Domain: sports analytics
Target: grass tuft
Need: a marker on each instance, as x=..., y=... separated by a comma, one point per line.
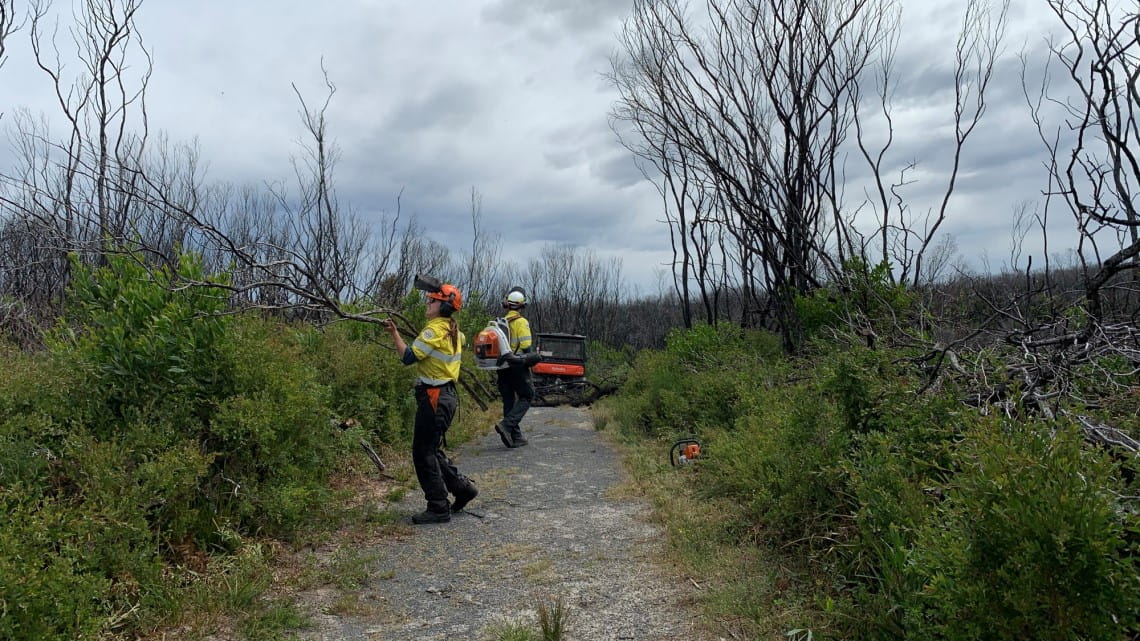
x=552, y=618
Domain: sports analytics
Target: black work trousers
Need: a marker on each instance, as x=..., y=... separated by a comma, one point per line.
x=518, y=393
x=435, y=408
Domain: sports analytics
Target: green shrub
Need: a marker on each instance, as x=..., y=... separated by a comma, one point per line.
x=365, y=379
x=48, y=589
x=1033, y=544
x=474, y=316
x=850, y=387
x=609, y=366
x=30, y=444
x=639, y=412
x=872, y=392
x=901, y=459
x=32, y=383
x=83, y=555
x=146, y=347
x=782, y=463
x=895, y=480
x=862, y=294
x=722, y=347
x=696, y=383
x=157, y=421
x=158, y=489
x=705, y=347
x=668, y=401
x=933, y=521
x=274, y=444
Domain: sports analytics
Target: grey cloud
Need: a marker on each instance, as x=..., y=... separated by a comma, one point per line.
x=451, y=106
x=540, y=221
x=989, y=238
x=562, y=159
x=619, y=170
x=576, y=16
x=921, y=79
x=1003, y=150
x=589, y=222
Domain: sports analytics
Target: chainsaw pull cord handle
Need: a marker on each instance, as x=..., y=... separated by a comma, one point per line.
x=677, y=452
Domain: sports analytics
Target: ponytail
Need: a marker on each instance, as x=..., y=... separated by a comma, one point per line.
x=453, y=332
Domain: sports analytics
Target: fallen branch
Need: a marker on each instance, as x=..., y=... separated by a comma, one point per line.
x=1108, y=436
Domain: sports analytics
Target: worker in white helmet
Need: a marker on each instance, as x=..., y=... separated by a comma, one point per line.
x=514, y=381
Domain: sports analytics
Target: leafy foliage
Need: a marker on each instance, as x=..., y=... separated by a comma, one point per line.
x=938, y=522
x=696, y=382
x=365, y=381
x=157, y=424
x=861, y=293
x=1034, y=543
x=148, y=348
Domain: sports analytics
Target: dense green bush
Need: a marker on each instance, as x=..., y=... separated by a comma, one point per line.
x=48, y=588
x=1032, y=544
x=850, y=385
x=82, y=541
x=145, y=346
x=274, y=444
x=695, y=384
x=158, y=421
x=936, y=521
x=895, y=481
x=862, y=294
x=608, y=366
x=781, y=463
x=675, y=402
x=366, y=381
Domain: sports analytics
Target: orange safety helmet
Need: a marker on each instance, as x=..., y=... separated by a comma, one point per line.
x=450, y=296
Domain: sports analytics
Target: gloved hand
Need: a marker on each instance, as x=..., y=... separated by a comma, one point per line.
x=521, y=360
x=511, y=360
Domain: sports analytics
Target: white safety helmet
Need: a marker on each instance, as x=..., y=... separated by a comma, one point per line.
x=515, y=299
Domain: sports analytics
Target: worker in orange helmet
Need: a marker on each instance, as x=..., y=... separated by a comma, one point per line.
x=436, y=352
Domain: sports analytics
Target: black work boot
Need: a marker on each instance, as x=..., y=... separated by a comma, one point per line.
x=504, y=435
x=517, y=437
x=464, y=496
x=428, y=516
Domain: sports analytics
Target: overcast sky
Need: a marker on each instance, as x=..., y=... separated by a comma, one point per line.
x=508, y=96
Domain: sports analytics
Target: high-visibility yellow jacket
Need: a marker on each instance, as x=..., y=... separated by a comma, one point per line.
x=437, y=362
x=520, y=332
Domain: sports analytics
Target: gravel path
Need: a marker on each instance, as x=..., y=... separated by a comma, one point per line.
x=546, y=526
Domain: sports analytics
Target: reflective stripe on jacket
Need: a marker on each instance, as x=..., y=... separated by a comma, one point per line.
x=437, y=362
x=520, y=332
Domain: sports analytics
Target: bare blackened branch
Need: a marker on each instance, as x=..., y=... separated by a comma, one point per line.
x=904, y=239
x=8, y=26
x=756, y=106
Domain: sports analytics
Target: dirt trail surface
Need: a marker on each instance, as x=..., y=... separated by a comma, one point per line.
x=547, y=524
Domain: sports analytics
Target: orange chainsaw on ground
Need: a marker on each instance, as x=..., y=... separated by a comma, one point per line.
x=685, y=451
